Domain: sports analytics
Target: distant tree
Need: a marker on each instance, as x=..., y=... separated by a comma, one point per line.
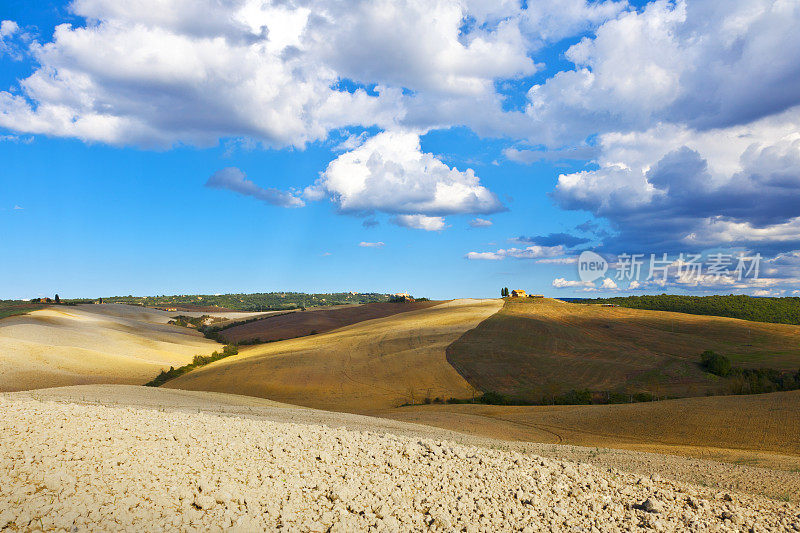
x=58, y=300
x=101, y=300
x=504, y=292
x=715, y=363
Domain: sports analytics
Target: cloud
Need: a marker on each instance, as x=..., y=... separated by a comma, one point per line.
x=559, y=260
x=286, y=74
x=530, y=252
x=670, y=188
x=10, y=37
x=480, y=223
x=370, y=223
x=16, y=139
x=233, y=179
x=352, y=142
x=689, y=157
x=767, y=292
x=419, y=222
x=364, y=244
x=390, y=173
x=652, y=65
x=158, y=74
x=590, y=226
x=554, y=239
x=609, y=284
x=526, y=156
x=689, y=110
x=485, y=256
x=17, y=208
x=561, y=283
x=8, y=28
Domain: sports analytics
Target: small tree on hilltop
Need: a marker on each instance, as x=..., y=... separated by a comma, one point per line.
x=58, y=300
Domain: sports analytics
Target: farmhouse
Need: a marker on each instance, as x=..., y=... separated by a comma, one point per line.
x=518, y=293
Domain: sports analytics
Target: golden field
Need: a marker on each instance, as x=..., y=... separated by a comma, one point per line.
x=111, y=343
x=373, y=364
x=537, y=348
x=758, y=429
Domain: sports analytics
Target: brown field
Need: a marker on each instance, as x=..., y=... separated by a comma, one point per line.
x=113, y=343
x=288, y=325
x=538, y=348
x=378, y=363
x=758, y=429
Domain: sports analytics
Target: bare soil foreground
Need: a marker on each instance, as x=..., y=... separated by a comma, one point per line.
x=299, y=324
x=126, y=468
x=539, y=348
x=110, y=343
x=373, y=364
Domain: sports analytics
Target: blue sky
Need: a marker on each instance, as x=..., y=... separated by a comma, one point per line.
x=239, y=147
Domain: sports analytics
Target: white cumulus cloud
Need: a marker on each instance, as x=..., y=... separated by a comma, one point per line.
x=419, y=222
x=608, y=283
x=390, y=173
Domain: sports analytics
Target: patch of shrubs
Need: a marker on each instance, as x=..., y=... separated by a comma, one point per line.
x=715, y=363
x=749, y=380
x=573, y=397
x=198, y=361
x=198, y=322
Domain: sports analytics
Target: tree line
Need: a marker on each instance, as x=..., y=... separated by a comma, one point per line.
x=777, y=310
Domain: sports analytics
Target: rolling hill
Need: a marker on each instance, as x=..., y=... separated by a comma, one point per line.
x=110, y=343
x=383, y=362
x=535, y=349
x=299, y=324
x=757, y=429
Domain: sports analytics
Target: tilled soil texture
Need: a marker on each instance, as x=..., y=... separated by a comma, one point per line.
x=92, y=467
x=289, y=325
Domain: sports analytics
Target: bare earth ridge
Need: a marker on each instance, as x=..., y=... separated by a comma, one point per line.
x=125, y=468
